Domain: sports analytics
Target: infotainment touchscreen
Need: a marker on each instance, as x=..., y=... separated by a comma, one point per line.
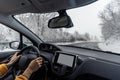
x=66, y=60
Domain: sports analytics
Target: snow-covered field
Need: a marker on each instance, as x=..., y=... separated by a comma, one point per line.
x=6, y=50
x=112, y=44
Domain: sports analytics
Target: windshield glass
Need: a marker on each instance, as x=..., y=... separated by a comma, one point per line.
x=96, y=26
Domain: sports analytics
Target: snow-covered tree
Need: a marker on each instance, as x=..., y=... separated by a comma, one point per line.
x=111, y=19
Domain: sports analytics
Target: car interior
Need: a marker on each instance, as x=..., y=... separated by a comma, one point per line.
x=60, y=62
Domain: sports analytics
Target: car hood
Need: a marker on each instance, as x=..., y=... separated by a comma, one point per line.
x=12, y=7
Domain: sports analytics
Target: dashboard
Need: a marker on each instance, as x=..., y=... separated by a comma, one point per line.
x=73, y=63
x=48, y=48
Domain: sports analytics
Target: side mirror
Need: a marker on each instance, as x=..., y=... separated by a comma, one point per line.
x=14, y=45
x=62, y=21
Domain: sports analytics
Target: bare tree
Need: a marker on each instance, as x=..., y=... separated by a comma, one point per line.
x=110, y=18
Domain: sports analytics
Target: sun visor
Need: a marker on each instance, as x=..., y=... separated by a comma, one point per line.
x=55, y=5
x=7, y=6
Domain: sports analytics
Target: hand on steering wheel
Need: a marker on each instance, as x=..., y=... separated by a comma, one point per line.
x=13, y=59
x=33, y=67
x=29, y=55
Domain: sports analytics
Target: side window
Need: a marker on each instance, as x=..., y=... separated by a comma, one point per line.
x=8, y=35
x=27, y=41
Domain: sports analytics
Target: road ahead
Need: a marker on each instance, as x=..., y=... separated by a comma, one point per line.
x=90, y=44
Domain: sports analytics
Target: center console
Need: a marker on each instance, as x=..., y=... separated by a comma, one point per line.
x=64, y=63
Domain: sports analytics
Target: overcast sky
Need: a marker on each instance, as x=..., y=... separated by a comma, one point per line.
x=86, y=18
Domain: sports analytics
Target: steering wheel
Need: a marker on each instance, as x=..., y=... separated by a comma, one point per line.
x=27, y=55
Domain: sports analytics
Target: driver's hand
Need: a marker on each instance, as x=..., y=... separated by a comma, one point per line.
x=33, y=67
x=13, y=59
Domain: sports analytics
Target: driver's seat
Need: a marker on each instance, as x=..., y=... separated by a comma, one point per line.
x=10, y=77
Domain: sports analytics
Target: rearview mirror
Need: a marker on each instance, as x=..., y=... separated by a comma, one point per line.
x=62, y=21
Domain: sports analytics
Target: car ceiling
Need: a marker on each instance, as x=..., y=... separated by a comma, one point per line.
x=12, y=7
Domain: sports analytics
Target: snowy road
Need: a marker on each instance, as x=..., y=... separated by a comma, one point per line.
x=91, y=45
x=87, y=44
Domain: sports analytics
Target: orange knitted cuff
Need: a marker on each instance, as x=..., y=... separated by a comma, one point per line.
x=21, y=77
x=3, y=69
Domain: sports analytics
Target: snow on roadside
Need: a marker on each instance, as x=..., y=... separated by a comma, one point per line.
x=7, y=50
x=112, y=44
x=70, y=43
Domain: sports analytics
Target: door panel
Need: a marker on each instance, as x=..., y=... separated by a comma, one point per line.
x=5, y=55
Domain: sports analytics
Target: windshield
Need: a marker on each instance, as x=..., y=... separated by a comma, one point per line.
x=96, y=26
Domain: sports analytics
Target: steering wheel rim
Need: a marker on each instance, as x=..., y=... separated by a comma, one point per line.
x=25, y=51
x=30, y=47
x=17, y=72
